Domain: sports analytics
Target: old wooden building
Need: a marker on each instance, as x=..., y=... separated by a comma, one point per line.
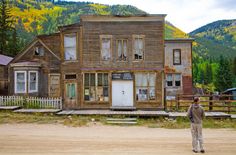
x=178, y=67
x=4, y=60
x=102, y=62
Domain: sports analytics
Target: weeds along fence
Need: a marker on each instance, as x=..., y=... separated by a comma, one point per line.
x=219, y=103
x=31, y=102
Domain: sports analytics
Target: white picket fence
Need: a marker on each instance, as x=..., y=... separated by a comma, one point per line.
x=31, y=102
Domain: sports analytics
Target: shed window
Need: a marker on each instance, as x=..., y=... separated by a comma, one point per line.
x=20, y=82
x=177, y=57
x=70, y=46
x=173, y=80
x=33, y=81
x=122, y=50
x=145, y=86
x=138, y=47
x=106, y=47
x=96, y=87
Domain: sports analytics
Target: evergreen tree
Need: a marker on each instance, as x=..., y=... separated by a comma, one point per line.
x=208, y=73
x=223, y=75
x=6, y=26
x=234, y=66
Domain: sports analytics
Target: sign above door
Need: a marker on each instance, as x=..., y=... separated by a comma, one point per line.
x=122, y=76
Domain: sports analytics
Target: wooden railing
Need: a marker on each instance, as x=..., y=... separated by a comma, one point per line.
x=31, y=102
x=222, y=103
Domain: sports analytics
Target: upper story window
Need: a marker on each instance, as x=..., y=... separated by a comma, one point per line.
x=173, y=80
x=138, y=47
x=122, y=49
x=177, y=57
x=70, y=46
x=106, y=41
x=39, y=50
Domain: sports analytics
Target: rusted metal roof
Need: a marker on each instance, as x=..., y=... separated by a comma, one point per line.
x=4, y=60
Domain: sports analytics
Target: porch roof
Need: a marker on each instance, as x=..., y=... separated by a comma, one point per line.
x=26, y=64
x=4, y=60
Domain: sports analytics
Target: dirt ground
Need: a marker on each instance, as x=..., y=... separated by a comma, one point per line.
x=102, y=140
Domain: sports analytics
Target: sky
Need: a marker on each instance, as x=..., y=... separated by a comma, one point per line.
x=187, y=15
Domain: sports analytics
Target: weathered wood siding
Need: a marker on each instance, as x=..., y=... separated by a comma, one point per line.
x=49, y=62
x=153, y=51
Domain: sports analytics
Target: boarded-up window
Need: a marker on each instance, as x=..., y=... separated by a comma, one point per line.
x=138, y=47
x=54, y=85
x=33, y=81
x=70, y=46
x=173, y=80
x=105, y=47
x=122, y=49
x=96, y=87
x=145, y=86
x=177, y=57
x=20, y=81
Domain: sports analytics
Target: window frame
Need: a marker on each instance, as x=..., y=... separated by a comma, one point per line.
x=174, y=80
x=96, y=87
x=64, y=47
x=148, y=87
x=39, y=51
x=175, y=51
x=133, y=45
x=36, y=90
x=101, y=49
x=25, y=80
x=122, y=51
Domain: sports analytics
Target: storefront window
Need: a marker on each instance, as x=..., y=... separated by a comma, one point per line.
x=96, y=87
x=145, y=86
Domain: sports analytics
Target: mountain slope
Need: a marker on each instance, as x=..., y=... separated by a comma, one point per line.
x=215, y=39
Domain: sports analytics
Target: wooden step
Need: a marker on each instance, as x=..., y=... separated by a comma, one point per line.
x=116, y=122
x=121, y=120
x=123, y=108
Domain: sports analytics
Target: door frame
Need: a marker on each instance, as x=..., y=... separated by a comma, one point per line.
x=133, y=101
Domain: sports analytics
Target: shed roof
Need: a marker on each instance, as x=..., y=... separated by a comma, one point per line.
x=4, y=60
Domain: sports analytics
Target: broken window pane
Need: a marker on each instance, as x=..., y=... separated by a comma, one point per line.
x=106, y=48
x=138, y=48
x=32, y=81
x=177, y=80
x=70, y=47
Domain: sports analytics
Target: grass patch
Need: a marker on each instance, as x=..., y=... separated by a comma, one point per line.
x=77, y=121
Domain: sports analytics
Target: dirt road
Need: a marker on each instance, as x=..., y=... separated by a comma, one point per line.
x=102, y=140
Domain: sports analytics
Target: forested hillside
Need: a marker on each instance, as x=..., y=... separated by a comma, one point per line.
x=215, y=55
x=217, y=38
x=29, y=18
x=44, y=16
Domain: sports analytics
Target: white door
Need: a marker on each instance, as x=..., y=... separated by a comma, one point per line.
x=122, y=93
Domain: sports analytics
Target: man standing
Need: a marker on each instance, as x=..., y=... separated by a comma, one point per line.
x=196, y=115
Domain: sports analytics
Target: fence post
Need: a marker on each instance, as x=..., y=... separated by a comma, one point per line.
x=177, y=105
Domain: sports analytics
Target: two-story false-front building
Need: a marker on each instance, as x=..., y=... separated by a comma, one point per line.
x=105, y=62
